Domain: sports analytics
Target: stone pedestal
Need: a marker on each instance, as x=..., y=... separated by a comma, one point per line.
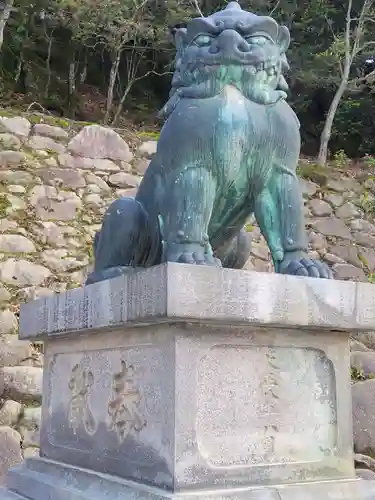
x=193, y=382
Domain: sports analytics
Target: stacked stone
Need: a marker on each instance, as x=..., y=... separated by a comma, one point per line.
x=55, y=184
x=54, y=190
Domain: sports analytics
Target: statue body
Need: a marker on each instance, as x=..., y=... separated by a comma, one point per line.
x=229, y=148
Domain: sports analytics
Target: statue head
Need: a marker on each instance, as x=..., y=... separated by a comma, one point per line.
x=231, y=47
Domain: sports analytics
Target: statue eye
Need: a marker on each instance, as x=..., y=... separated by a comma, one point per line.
x=257, y=39
x=203, y=40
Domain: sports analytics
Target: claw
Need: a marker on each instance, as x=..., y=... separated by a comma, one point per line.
x=308, y=268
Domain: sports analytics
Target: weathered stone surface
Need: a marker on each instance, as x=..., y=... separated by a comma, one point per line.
x=30, y=427
x=9, y=141
x=126, y=192
x=64, y=177
x=317, y=241
x=367, y=338
x=11, y=158
x=8, y=322
x=14, y=351
x=50, y=131
x=187, y=287
x=10, y=446
x=308, y=188
x=69, y=161
x=363, y=394
x=48, y=232
x=16, y=189
x=147, y=149
x=51, y=204
x=332, y=227
x=367, y=257
x=348, y=272
x=260, y=251
x=330, y=258
x=347, y=211
x=366, y=474
x=99, y=142
x=58, y=260
x=16, y=203
x=16, y=125
x=22, y=273
x=45, y=143
x=10, y=413
x=17, y=177
x=124, y=180
x=364, y=239
x=141, y=165
x=97, y=181
x=363, y=362
x=355, y=345
x=364, y=460
x=343, y=185
x=347, y=252
x=31, y=452
x=23, y=382
x=363, y=225
x=15, y=243
x=336, y=200
x=94, y=200
x=320, y=208
x=4, y=294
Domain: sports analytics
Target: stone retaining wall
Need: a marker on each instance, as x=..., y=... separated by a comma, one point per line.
x=54, y=187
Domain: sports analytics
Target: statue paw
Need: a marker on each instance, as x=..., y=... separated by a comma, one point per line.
x=192, y=254
x=307, y=267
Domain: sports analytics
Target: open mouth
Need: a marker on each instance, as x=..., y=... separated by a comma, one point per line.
x=251, y=68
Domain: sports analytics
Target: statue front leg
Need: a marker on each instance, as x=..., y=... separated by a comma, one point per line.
x=186, y=213
x=279, y=212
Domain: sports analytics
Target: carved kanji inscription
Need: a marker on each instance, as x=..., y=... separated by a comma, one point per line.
x=123, y=409
x=80, y=413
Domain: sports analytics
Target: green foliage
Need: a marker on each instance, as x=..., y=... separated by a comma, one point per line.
x=340, y=159
x=152, y=135
x=358, y=375
x=4, y=204
x=59, y=54
x=367, y=203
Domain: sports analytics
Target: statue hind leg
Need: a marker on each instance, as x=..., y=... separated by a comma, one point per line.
x=125, y=241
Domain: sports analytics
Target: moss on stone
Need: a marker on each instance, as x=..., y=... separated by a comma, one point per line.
x=152, y=135
x=313, y=172
x=4, y=205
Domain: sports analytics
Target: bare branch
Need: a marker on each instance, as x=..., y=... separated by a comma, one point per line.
x=347, y=36
x=196, y=5
x=367, y=4
x=4, y=16
x=275, y=8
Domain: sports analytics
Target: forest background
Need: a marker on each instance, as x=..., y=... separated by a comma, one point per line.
x=111, y=62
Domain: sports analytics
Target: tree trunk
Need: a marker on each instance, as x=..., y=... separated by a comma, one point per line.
x=327, y=129
x=48, y=65
x=121, y=105
x=111, y=86
x=72, y=78
x=4, y=16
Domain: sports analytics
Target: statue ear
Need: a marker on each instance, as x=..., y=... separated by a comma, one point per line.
x=283, y=38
